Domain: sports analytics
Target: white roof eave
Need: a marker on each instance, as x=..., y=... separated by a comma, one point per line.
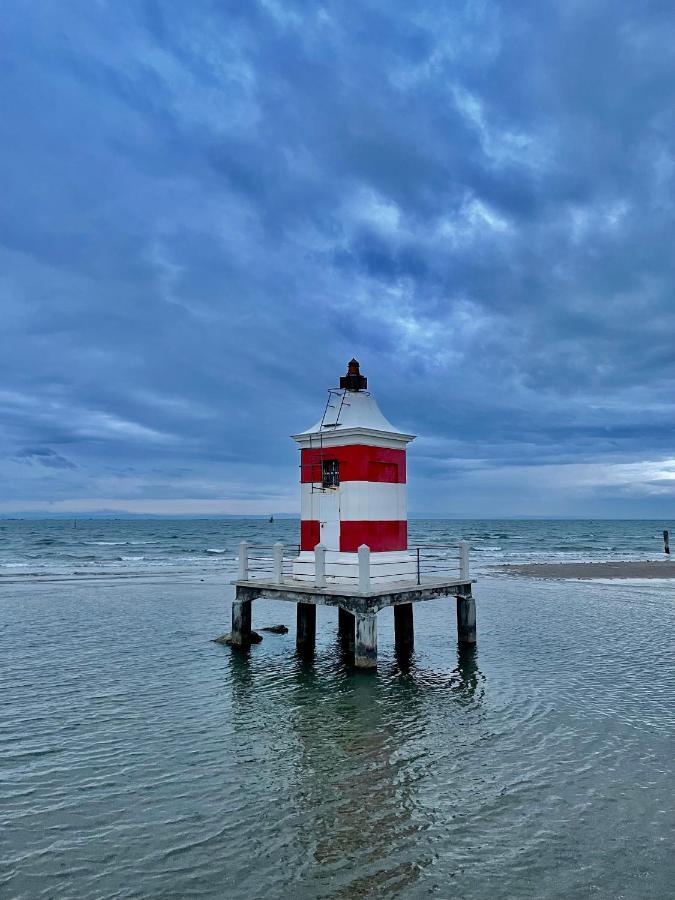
x=349, y=432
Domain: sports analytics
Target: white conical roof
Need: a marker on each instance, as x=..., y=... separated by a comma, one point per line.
x=352, y=409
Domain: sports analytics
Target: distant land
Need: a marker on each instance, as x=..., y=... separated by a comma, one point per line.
x=111, y=515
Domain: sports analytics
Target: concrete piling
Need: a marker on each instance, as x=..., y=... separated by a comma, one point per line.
x=404, y=630
x=305, y=635
x=365, y=644
x=241, y=622
x=346, y=627
x=466, y=620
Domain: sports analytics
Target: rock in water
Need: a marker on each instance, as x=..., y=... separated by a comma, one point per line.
x=275, y=629
x=227, y=638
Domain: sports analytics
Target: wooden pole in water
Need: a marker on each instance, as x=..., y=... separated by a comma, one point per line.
x=666, y=541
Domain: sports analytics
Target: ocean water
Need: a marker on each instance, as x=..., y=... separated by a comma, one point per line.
x=139, y=759
x=32, y=549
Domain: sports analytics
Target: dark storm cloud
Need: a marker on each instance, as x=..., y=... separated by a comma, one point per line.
x=43, y=456
x=208, y=208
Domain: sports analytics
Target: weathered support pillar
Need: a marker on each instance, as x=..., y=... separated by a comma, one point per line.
x=365, y=644
x=404, y=630
x=241, y=623
x=305, y=634
x=346, y=627
x=466, y=620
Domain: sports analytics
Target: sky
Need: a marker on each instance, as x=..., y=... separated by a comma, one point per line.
x=208, y=208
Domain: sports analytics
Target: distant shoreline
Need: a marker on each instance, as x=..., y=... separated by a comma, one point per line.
x=651, y=569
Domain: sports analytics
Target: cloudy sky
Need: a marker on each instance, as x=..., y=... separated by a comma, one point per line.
x=207, y=208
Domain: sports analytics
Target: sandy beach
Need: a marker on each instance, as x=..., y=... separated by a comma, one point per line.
x=651, y=569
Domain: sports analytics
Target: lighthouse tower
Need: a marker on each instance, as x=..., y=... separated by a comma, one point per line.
x=353, y=484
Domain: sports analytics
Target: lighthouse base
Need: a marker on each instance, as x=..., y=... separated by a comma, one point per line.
x=357, y=611
x=343, y=568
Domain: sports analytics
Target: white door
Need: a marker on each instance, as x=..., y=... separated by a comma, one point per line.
x=329, y=518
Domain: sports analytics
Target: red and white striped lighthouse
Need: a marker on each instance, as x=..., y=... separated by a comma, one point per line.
x=353, y=483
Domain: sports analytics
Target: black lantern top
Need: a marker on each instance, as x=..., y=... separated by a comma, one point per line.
x=353, y=380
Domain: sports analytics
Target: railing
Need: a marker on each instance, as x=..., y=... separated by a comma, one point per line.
x=438, y=560
x=270, y=562
x=275, y=564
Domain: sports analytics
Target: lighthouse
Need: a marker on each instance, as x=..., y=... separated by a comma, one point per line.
x=353, y=487
x=353, y=551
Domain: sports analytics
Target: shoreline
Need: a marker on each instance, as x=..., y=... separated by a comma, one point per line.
x=589, y=570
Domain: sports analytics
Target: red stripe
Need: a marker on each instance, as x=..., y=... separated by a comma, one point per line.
x=379, y=536
x=358, y=462
x=310, y=534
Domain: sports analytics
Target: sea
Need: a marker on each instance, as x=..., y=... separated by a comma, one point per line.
x=34, y=549
x=140, y=759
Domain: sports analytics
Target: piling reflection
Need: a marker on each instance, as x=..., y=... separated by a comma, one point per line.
x=468, y=680
x=354, y=779
x=241, y=674
x=357, y=753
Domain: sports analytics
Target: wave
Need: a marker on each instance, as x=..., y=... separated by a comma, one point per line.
x=107, y=543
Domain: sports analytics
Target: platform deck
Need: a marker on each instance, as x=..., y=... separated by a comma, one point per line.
x=349, y=596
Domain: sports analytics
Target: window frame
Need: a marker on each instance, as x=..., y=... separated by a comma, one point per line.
x=330, y=473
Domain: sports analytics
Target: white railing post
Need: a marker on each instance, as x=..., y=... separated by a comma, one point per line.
x=364, y=567
x=243, y=561
x=278, y=551
x=320, y=565
x=464, y=560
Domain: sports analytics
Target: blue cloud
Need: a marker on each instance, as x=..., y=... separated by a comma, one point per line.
x=208, y=208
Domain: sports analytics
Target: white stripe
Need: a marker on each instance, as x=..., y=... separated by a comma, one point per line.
x=373, y=501
x=370, y=501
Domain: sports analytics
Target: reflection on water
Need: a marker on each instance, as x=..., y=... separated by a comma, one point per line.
x=359, y=756
x=140, y=759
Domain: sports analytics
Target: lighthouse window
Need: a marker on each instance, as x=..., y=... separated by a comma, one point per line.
x=331, y=473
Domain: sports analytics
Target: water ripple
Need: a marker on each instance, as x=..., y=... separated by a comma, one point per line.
x=141, y=760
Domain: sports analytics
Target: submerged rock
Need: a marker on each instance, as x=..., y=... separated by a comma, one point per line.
x=227, y=638
x=275, y=629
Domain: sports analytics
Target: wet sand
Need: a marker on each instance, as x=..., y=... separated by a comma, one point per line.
x=651, y=569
